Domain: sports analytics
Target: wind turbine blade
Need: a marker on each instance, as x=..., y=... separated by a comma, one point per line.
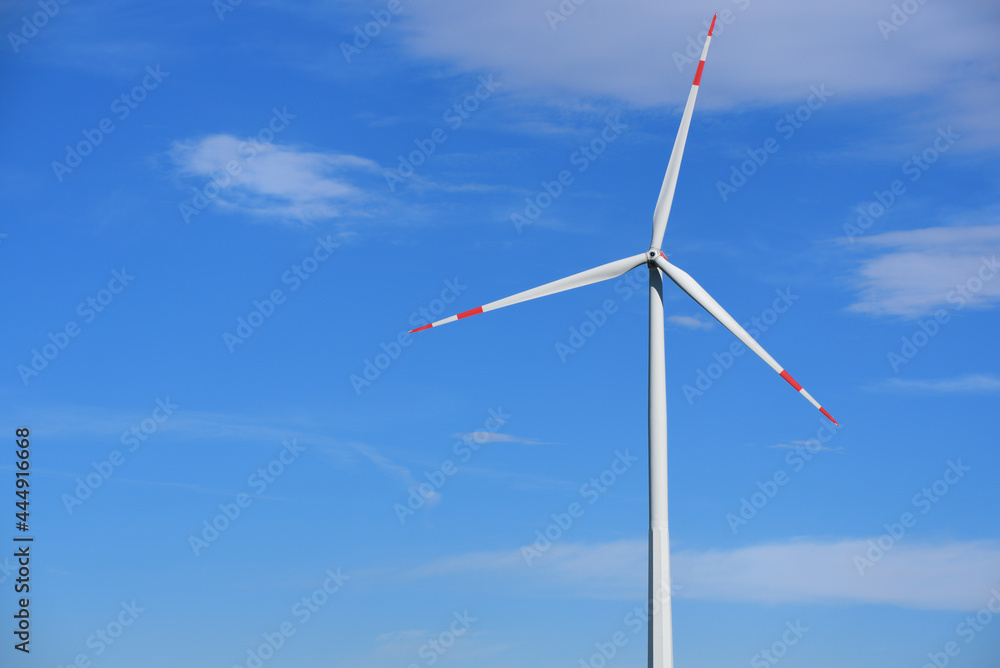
x=595, y=275
x=698, y=293
x=666, y=199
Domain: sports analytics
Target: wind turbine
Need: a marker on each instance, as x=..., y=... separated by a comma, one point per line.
x=660, y=648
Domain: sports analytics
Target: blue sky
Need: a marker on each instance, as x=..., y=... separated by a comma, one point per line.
x=221, y=218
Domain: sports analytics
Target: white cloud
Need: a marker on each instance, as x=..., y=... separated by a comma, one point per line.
x=605, y=571
x=955, y=576
x=812, y=444
x=769, y=53
x=689, y=322
x=72, y=422
x=404, y=474
x=483, y=437
x=395, y=644
x=404, y=647
x=952, y=576
x=920, y=271
x=967, y=383
x=470, y=561
x=274, y=181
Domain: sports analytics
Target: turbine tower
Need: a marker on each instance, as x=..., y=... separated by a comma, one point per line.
x=660, y=648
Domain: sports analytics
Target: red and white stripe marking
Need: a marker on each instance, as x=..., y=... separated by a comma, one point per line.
x=698, y=293
x=463, y=314
x=601, y=273
x=666, y=197
x=791, y=381
x=704, y=54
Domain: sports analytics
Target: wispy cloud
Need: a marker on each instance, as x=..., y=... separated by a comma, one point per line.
x=970, y=383
x=105, y=37
x=604, y=571
x=398, y=471
x=812, y=444
x=764, y=53
x=521, y=479
x=919, y=271
x=494, y=437
x=69, y=422
x=200, y=489
x=275, y=181
x=951, y=576
x=403, y=647
x=395, y=644
x=690, y=322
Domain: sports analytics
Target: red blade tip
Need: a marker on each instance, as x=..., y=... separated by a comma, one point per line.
x=823, y=411
x=419, y=329
x=712, y=27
